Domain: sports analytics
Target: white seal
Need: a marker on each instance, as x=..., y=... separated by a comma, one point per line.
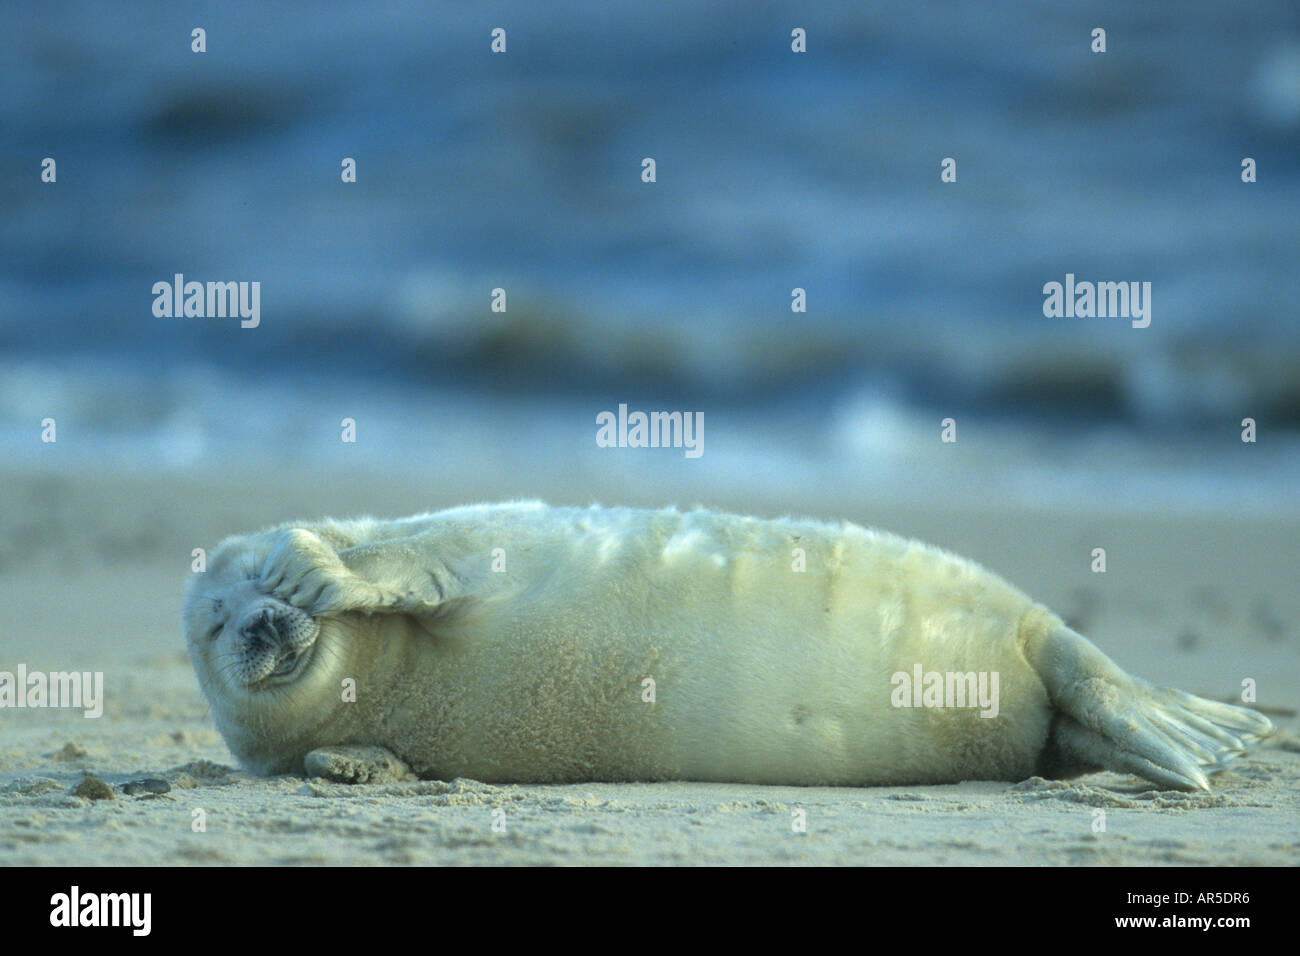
x=522, y=643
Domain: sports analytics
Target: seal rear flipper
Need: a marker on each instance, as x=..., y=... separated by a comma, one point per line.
x=1164, y=735
x=1107, y=718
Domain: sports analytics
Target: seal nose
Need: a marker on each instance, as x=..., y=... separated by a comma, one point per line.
x=259, y=627
x=277, y=626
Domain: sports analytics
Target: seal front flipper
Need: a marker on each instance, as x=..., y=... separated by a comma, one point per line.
x=357, y=764
x=304, y=570
x=405, y=578
x=393, y=576
x=1107, y=719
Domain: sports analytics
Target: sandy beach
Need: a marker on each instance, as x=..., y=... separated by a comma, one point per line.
x=92, y=571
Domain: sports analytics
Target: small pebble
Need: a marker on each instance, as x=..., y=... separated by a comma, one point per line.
x=147, y=785
x=92, y=788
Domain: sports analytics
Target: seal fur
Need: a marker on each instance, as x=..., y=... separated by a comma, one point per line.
x=523, y=643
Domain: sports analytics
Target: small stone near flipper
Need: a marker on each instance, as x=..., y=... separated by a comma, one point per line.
x=149, y=786
x=92, y=788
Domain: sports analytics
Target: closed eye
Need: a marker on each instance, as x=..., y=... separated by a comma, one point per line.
x=218, y=606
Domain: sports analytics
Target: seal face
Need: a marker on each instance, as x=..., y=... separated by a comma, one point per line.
x=524, y=643
x=272, y=640
x=256, y=639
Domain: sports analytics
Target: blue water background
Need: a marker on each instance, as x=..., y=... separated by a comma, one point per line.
x=775, y=170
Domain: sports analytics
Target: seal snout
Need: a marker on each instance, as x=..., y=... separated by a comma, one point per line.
x=271, y=640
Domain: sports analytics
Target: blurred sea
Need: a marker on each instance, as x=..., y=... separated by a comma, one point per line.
x=775, y=171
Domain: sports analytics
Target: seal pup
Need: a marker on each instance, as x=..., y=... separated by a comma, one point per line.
x=523, y=643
